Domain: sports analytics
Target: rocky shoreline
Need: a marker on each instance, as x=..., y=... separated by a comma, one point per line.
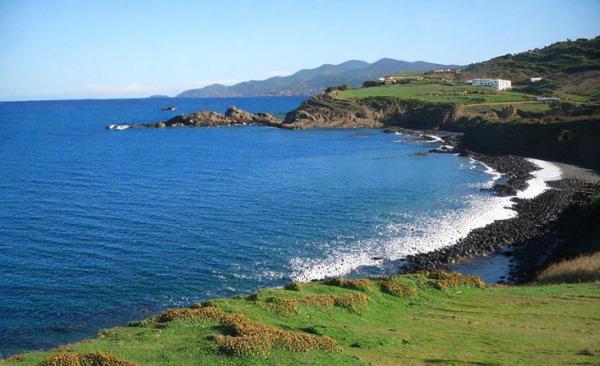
x=529, y=238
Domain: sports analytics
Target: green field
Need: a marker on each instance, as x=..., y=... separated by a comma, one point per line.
x=437, y=93
x=418, y=320
x=524, y=106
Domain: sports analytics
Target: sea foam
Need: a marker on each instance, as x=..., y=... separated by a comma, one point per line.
x=427, y=234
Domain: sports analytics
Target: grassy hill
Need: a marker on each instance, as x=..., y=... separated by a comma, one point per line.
x=567, y=67
x=431, y=318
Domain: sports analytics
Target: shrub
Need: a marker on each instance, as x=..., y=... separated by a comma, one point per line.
x=397, y=289
x=293, y=286
x=204, y=313
x=590, y=352
x=360, y=284
x=371, y=83
x=565, y=135
x=584, y=268
x=350, y=302
x=251, y=337
x=14, y=358
x=248, y=336
x=70, y=358
x=238, y=346
x=444, y=280
x=301, y=342
x=280, y=305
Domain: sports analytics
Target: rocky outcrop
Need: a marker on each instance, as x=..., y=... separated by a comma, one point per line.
x=330, y=112
x=232, y=117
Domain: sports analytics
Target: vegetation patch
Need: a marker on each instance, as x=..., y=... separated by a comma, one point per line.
x=14, y=358
x=445, y=280
x=279, y=305
x=352, y=302
x=591, y=352
x=203, y=313
x=389, y=286
x=70, y=358
x=359, y=284
x=250, y=337
x=253, y=338
x=293, y=286
x=585, y=268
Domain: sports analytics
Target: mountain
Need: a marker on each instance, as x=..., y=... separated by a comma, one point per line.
x=569, y=66
x=313, y=81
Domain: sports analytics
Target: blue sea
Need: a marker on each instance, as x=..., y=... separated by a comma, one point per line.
x=98, y=227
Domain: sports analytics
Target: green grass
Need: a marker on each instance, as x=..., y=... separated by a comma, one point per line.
x=437, y=93
x=530, y=325
x=524, y=106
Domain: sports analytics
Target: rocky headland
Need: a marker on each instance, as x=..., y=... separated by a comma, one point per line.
x=232, y=117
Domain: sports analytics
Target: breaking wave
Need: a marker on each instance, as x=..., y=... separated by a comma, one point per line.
x=425, y=234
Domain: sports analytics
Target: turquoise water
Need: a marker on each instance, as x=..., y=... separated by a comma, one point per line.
x=100, y=227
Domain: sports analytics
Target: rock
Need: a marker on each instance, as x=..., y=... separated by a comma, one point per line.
x=236, y=115
x=232, y=117
x=504, y=189
x=444, y=149
x=117, y=127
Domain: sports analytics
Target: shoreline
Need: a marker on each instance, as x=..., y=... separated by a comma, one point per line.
x=538, y=202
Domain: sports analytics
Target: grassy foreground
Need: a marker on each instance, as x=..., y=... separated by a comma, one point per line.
x=432, y=318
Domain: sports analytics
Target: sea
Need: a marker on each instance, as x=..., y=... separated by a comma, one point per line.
x=101, y=227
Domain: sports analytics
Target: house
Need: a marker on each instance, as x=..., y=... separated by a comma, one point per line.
x=535, y=80
x=498, y=84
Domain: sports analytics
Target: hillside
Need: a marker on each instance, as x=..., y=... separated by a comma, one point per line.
x=570, y=67
x=431, y=318
x=313, y=81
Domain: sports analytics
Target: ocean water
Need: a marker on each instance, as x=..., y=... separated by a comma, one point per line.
x=100, y=227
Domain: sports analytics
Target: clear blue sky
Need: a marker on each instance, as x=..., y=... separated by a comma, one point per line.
x=99, y=49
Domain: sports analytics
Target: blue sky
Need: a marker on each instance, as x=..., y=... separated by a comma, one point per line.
x=100, y=49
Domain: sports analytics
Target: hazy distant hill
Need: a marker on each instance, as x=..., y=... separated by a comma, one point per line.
x=570, y=66
x=313, y=81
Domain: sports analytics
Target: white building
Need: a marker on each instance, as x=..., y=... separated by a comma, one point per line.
x=498, y=84
x=535, y=80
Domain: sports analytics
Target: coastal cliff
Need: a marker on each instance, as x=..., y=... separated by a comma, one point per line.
x=564, y=133
x=326, y=111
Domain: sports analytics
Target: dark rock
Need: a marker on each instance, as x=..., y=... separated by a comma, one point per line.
x=232, y=117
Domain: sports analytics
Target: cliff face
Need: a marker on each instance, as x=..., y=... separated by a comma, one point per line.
x=576, y=141
x=327, y=111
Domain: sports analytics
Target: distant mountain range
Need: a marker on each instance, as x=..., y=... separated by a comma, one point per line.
x=313, y=81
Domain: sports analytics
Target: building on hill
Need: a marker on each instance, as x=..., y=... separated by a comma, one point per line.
x=535, y=80
x=498, y=84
